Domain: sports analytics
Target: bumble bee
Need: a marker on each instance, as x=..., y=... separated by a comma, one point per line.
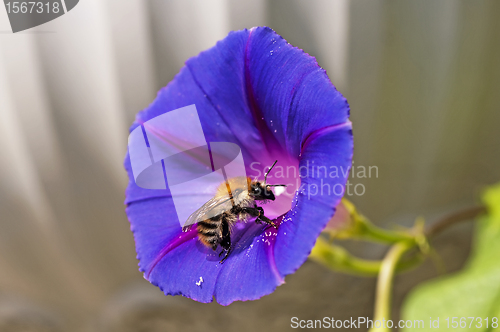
x=240, y=205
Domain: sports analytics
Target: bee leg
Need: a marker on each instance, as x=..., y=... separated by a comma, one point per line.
x=259, y=213
x=268, y=221
x=227, y=255
x=257, y=220
x=226, y=241
x=265, y=219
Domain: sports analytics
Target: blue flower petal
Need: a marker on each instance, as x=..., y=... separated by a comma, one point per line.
x=182, y=91
x=316, y=200
x=170, y=258
x=251, y=270
x=257, y=81
x=274, y=101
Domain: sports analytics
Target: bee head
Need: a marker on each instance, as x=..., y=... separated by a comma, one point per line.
x=261, y=192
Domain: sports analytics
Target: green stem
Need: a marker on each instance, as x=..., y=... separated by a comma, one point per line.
x=339, y=259
x=371, y=232
x=384, y=283
x=359, y=227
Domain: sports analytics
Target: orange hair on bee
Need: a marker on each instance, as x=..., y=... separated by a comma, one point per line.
x=234, y=183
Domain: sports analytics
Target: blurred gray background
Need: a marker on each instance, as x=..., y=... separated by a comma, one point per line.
x=423, y=82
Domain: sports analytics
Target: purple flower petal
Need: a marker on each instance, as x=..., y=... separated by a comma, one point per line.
x=274, y=101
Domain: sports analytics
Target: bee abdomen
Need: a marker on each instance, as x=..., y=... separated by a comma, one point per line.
x=230, y=218
x=211, y=242
x=208, y=225
x=209, y=232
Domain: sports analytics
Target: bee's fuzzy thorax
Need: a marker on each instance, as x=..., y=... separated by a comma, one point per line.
x=240, y=182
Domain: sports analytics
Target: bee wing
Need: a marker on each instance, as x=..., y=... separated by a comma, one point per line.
x=212, y=208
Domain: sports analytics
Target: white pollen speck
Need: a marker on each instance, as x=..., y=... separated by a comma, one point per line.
x=279, y=190
x=198, y=283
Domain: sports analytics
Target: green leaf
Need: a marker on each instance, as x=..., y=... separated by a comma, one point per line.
x=472, y=292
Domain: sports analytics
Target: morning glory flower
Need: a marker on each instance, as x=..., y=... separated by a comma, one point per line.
x=274, y=101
